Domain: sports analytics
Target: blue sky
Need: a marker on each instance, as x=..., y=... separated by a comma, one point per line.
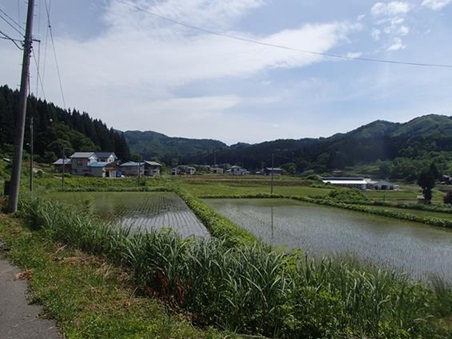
x=133, y=65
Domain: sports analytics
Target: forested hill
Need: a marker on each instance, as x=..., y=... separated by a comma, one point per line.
x=170, y=150
x=55, y=128
x=394, y=150
x=390, y=150
x=397, y=150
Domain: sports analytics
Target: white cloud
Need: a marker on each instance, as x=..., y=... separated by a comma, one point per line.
x=390, y=9
x=150, y=60
x=376, y=33
x=354, y=55
x=205, y=14
x=403, y=30
x=171, y=59
x=436, y=4
x=396, y=45
x=390, y=23
x=139, y=71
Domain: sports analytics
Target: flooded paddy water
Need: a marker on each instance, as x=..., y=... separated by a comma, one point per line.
x=142, y=211
x=419, y=250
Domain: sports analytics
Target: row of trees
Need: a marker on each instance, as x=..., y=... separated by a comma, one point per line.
x=55, y=128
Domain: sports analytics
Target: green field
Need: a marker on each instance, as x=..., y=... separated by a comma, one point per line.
x=248, y=185
x=140, y=211
x=229, y=281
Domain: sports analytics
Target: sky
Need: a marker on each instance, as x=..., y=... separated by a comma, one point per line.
x=237, y=70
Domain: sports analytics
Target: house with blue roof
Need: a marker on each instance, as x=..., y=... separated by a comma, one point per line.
x=98, y=164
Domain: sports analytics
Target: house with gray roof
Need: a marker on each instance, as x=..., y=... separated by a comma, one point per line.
x=82, y=164
x=58, y=165
x=103, y=169
x=152, y=168
x=132, y=168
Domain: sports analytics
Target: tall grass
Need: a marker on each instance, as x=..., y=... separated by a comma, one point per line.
x=256, y=289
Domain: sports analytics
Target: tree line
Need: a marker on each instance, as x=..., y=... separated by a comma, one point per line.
x=56, y=129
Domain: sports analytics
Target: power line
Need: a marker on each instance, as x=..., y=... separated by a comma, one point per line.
x=14, y=41
x=2, y=16
x=330, y=55
x=54, y=50
x=38, y=73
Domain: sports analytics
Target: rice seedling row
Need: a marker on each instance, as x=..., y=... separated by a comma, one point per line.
x=143, y=211
x=421, y=251
x=255, y=289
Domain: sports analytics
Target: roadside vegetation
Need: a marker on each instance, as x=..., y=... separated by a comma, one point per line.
x=249, y=287
x=87, y=295
x=231, y=282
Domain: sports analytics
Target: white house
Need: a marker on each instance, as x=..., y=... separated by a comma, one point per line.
x=183, y=169
x=81, y=163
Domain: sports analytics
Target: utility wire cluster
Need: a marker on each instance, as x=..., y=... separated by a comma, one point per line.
x=234, y=37
x=18, y=42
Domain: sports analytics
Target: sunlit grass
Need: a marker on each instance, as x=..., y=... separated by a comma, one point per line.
x=253, y=288
x=87, y=295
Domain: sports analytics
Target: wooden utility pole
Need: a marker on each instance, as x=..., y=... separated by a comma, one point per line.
x=20, y=118
x=31, y=152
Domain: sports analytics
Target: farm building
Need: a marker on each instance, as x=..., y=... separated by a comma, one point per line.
x=58, y=165
x=103, y=169
x=132, y=168
x=216, y=170
x=383, y=185
x=144, y=168
x=272, y=171
x=152, y=168
x=237, y=170
x=361, y=183
x=353, y=182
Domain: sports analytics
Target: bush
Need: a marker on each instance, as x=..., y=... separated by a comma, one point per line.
x=347, y=195
x=448, y=198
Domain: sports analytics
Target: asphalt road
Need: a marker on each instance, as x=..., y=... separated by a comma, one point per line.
x=18, y=319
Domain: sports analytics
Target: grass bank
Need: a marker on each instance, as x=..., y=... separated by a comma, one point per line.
x=254, y=289
x=87, y=295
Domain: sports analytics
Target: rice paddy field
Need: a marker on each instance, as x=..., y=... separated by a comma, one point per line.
x=245, y=185
x=421, y=251
x=140, y=211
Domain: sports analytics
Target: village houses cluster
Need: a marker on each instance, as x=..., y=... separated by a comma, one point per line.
x=105, y=165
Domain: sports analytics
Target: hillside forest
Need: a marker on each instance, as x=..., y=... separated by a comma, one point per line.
x=55, y=128
x=381, y=149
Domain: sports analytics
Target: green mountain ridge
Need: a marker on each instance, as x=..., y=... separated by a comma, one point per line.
x=398, y=150
x=376, y=142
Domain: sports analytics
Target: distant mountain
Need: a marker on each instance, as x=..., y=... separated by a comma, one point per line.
x=377, y=141
x=170, y=150
x=394, y=150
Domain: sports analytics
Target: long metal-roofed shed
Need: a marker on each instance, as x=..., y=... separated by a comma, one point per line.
x=353, y=182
